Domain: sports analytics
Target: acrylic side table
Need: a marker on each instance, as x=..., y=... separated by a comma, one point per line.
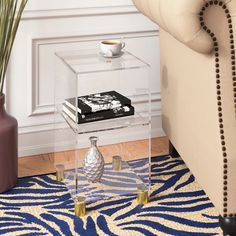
x=125, y=170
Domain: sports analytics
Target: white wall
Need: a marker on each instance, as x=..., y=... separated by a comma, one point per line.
x=55, y=25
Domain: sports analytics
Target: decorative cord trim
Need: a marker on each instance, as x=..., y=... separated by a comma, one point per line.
x=221, y=4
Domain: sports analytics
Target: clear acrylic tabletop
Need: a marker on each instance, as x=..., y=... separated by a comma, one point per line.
x=92, y=61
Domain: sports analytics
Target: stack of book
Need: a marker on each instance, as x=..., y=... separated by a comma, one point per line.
x=97, y=107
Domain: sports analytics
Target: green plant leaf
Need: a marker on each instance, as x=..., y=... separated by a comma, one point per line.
x=10, y=16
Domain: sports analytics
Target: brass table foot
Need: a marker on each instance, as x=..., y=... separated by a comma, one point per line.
x=80, y=207
x=116, y=163
x=142, y=195
x=60, y=172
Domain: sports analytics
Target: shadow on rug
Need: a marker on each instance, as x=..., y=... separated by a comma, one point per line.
x=42, y=206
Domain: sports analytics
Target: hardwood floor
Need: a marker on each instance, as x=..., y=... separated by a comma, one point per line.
x=43, y=164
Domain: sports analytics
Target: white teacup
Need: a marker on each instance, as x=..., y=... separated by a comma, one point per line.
x=111, y=48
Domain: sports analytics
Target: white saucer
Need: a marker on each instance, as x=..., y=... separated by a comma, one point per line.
x=113, y=56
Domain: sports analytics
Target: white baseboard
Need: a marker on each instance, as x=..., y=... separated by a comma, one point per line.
x=69, y=145
x=47, y=138
x=43, y=141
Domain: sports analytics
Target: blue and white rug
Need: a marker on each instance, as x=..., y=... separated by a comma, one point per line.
x=42, y=206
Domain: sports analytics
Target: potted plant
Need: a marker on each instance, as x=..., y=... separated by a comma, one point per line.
x=10, y=15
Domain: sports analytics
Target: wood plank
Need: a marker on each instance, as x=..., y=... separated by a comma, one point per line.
x=43, y=164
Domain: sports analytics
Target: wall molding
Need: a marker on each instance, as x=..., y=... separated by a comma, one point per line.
x=57, y=25
x=34, y=107
x=49, y=126
x=78, y=12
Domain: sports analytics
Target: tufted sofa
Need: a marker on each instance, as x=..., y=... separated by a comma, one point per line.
x=198, y=87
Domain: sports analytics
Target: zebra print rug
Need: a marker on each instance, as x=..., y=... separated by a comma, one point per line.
x=41, y=206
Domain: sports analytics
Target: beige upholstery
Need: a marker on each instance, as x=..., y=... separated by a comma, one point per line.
x=180, y=18
x=199, y=89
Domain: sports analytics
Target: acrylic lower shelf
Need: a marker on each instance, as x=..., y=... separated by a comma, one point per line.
x=113, y=183
x=107, y=125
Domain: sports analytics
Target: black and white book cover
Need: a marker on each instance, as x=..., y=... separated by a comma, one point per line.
x=126, y=110
x=98, y=102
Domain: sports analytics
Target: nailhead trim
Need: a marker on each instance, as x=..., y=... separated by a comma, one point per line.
x=221, y=4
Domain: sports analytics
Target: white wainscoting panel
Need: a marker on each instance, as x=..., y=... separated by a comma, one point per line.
x=49, y=26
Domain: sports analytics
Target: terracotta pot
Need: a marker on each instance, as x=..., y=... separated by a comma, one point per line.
x=8, y=149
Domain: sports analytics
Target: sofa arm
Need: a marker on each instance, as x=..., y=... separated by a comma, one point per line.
x=180, y=18
x=199, y=94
